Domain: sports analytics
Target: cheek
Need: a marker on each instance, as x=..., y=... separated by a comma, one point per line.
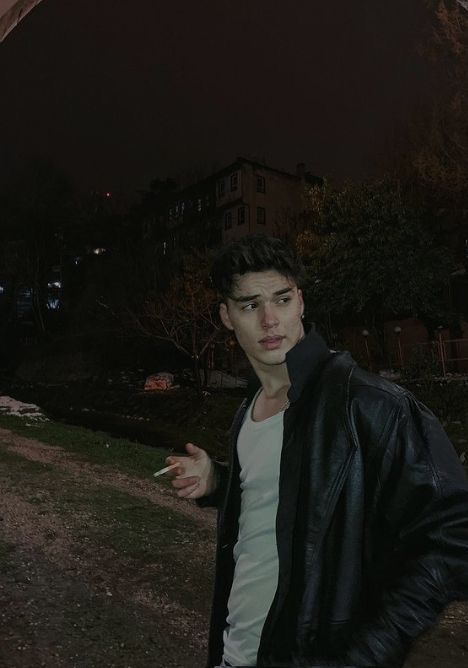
x=246, y=334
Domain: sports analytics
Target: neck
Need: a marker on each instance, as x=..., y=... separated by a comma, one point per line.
x=275, y=379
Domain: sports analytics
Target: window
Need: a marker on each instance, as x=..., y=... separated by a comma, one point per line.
x=260, y=184
x=234, y=181
x=241, y=215
x=221, y=188
x=261, y=215
x=227, y=220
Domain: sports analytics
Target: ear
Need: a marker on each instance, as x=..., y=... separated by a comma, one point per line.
x=301, y=300
x=224, y=315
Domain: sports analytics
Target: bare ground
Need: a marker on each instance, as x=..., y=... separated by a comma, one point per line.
x=75, y=593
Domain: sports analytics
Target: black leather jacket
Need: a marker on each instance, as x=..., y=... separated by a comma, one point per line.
x=372, y=521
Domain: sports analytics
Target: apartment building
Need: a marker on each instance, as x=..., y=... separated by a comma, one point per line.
x=242, y=198
x=253, y=197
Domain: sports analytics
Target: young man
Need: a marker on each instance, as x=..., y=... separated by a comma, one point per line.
x=343, y=512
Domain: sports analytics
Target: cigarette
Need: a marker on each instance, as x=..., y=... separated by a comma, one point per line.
x=164, y=470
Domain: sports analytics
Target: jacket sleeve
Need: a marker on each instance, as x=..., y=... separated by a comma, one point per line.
x=422, y=503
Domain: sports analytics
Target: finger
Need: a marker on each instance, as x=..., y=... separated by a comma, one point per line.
x=185, y=482
x=184, y=493
x=178, y=470
x=173, y=460
x=192, y=449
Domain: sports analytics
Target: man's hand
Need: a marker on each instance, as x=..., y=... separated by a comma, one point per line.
x=195, y=475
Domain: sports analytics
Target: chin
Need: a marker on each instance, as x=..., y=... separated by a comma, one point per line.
x=275, y=357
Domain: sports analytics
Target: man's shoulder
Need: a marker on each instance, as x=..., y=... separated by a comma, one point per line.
x=369, y=404
x=360, y=385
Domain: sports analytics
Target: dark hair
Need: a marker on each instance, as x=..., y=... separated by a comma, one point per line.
x=256, y=252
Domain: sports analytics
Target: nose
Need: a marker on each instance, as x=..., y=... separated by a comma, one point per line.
x=269, y=318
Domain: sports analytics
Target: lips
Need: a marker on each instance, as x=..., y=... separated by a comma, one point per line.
x=271, y=342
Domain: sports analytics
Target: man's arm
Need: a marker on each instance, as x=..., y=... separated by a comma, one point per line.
x=423, y=503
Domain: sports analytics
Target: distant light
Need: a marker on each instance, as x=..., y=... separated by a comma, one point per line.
x=99, y=251
x=108, y=194
x=2, y=289
x=77, y=259
x=55, y=284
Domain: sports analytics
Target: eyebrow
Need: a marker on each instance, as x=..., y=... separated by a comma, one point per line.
x=250, y=298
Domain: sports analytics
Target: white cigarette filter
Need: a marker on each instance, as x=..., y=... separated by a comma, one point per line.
x=164, y=470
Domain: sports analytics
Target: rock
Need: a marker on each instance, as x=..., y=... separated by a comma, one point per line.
x=160, y=381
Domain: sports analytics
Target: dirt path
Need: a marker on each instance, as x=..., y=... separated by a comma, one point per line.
x=102, y=569
x=76, y=593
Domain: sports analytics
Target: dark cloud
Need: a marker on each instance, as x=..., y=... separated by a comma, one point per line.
x=119, y=92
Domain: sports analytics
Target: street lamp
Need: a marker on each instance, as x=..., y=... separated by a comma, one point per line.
x=397, y=331
x=441, y=349
x=365, y=334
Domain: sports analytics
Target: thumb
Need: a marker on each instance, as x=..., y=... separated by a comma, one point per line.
x=192, y=449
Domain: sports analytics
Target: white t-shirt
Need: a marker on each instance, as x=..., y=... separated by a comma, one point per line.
x=255, y=553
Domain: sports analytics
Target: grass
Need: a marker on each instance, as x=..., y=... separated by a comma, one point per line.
x=132, y=526
x=107, y=522
x=92, y=446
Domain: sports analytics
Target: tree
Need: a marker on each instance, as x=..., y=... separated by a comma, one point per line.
x=185, y=314
x=38, y=205
x=442, y=156
x=431, y=153
x=370, y=256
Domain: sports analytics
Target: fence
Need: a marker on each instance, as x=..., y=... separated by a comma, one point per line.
x=450, y=355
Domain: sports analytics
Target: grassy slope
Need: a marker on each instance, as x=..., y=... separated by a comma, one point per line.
x=132, y=527
x=93, y=446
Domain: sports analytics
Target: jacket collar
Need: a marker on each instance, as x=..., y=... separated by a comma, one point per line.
x=303, y=361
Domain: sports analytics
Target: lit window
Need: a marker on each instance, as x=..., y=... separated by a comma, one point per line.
x=227, y=220
x=241, y=215
x=261, y=215
x=199, y=204
x=221, y=188
x=234, y=181
x=260, y=184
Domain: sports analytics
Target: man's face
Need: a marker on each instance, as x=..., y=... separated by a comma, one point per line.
x=265, y=312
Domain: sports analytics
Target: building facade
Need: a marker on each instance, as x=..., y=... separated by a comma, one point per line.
x=245, y=197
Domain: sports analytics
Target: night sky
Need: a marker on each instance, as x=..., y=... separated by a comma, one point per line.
x=117, y=93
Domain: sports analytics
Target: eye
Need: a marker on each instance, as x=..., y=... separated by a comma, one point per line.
x=284, y=300
x=247, y=307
